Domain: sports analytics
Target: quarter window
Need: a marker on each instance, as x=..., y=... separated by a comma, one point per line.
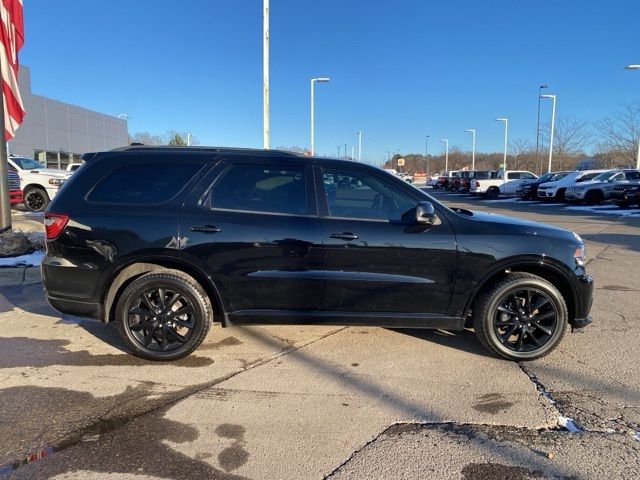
x=357, y=195
x=261, y=188
x=143, y=184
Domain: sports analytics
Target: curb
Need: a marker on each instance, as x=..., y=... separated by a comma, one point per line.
x=12, y=276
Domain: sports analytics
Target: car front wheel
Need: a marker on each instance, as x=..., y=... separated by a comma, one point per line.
x=163, y=315
x=523, y=317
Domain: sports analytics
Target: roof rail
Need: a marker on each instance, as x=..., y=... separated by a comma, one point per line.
x=199, y=148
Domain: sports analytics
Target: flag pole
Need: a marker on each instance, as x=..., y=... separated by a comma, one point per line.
x=5, y=204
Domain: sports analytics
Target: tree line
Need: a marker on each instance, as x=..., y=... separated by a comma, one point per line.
x=614, y=140
x=171, y=137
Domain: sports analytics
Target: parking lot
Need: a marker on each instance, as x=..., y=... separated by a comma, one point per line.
x=343, y=402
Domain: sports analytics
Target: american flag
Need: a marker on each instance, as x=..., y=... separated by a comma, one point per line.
x=12, y=38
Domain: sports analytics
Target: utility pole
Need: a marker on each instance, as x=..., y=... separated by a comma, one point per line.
x=345, y=150
x=265, y=76
x=359, y=146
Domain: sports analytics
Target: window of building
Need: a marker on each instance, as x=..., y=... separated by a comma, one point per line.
x=143, y=184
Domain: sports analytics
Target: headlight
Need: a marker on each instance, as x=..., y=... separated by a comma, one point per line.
x=580, y=253
x=56, y=181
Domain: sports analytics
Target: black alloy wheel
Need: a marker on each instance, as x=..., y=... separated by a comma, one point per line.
x=163, y=315
x=36, y=200
x=594, y=197
x=523, y=317
x=525, y=320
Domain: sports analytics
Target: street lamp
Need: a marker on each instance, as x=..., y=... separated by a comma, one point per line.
x=446, y=155
x=506, y=131
x=426, y=153
x=473, y=148
x=359, y=146
x=540, y=87
x=635, y=67
x=188, y=139
x=313, y=81
x=123, y=116
x=553, y=121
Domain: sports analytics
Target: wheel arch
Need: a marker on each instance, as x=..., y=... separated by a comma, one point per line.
x=128, y=272
x=555, y=274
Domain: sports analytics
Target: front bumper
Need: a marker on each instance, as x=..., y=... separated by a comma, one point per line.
x=574, y=195
x=584, y=300
x=546, y=193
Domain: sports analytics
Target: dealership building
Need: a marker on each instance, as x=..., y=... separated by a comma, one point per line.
x=57, y=133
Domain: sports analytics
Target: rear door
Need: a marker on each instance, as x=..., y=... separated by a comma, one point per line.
x=254, y=229
x=373, y=260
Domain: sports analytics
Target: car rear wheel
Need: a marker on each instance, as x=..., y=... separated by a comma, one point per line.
x=560, y=195
x=36, y=199
x=493, y=193
x=523, y=317
x=163, y=315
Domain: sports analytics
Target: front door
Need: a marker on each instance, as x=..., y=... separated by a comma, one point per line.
x=374, y=261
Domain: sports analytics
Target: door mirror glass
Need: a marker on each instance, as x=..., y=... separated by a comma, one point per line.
x=425, y=213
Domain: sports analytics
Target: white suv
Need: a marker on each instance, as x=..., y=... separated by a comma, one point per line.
x=504, y=184
x=556, y=190
x=39, y=184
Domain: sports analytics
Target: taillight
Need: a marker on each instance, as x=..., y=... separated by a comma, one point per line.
x=477, y=183
x=54, y=225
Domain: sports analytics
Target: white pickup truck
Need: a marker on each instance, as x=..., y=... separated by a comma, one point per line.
x=38, y=184
x=504, y=184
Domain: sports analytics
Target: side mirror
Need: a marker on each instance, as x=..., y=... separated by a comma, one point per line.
x=425, y=213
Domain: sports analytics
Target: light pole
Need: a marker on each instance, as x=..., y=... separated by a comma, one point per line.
x=635, y=67
x=553, y=121
x=359, y=146
x=345, y=150
x=313, y=81
x=188, y=139
x=426, y=152
x=446, y=155
x=540, y=87
x=265, y=75
x=506, y=132
x=338, y=151
x=473, y=147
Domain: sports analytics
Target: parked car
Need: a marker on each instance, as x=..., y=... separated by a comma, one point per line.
x=248, y=237
x=556, y=189
x=404, y=176
x=38, y=184
x=481, y=175
x=433, y=180
x=528, y=190
x=505, y=183
x=72, y=167
x=627, y=193
x=15, y=194
x=599, y=188
x=451, y=179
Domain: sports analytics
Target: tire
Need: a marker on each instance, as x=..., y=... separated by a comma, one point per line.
x=560, y=195
x=594, y=197
x=36, y=199
x=623, y=204
x=493, y=193
x=153, y=339
x=490, y=318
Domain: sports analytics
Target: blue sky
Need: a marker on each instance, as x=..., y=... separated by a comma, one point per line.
x=399, y=69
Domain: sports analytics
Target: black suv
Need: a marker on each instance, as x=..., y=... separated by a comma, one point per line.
x=165, y=240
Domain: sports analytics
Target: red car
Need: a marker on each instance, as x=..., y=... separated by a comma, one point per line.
x=15, y=194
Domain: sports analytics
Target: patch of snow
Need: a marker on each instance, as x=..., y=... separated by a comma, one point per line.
x=31, y=260
x=33, y=214
x=568, y=424
x=637, y=436
x=545, y=204
x=506, y=200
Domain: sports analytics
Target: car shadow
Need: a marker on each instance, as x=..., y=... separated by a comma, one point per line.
x=464, y=340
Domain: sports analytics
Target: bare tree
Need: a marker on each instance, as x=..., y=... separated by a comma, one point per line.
x=146, y=138
x=621, y=132
x=570, y=138
x=524, y=155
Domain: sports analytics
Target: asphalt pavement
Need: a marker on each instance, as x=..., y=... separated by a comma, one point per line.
x=311, y=402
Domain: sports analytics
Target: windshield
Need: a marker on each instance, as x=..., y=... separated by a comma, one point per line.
x=588, y=176
x=26, y=163
x=603, y=177
x=557, y=176
x=485, y=174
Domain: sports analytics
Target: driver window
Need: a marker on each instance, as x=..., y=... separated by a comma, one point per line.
x=357, y=195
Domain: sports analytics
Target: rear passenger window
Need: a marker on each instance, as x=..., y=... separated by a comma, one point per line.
x=261, y=188
x=143, y=184
x=513, y=175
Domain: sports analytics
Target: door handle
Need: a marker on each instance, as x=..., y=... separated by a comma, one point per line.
x=206, y=229
x=344, y=236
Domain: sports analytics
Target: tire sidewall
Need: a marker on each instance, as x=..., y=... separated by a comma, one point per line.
x=559, y=305
x=134, y=290
x=40, y=192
